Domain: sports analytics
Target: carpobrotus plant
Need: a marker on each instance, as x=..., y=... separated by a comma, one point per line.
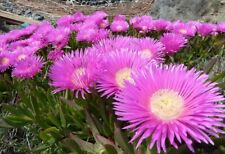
x=88, y=85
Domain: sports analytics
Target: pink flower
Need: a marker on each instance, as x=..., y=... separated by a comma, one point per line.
x=75, y=72
x=28, y=67
x=183, y=29
x=96, y=17
x=22, y=54
x=87, y=35
x=103, y=24
x=65, y=20
x=55, y=54
x=221, y=27
x=118, y=67
x=59, y=37
x=161, y=24
x=119, y=24
x=6, y=60
x=150, y=49
x=173, y=42
x=113, y=44
x=143, y=24
x=205, y=29
x=79, y=17
x=171, y=104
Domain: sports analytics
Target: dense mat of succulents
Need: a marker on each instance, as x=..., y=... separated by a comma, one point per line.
x=92, y=84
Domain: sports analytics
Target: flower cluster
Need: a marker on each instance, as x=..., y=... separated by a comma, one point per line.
x=167, y=103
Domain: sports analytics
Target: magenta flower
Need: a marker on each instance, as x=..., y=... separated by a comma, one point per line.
x=28, y=67
x=75, y=72
x=103, y=24
x=120, y=17
x=133, y=21
x=22, y=54
x=87, y=35
x=221, y=27
x=43, y=30
x=173, y=104
x=15, y=35
x=101, y=34
x=118, y=67
x=143, y=24
x=161, y=24
x=59, y=37
x=205, y=29
x=55, y=54
x=79, y=17
x=65, y=20
x=3, y=46
x=173, y=42
x=113, y=44
x=119, y=25
x=18, y=44
x=150, y=49
x=183, y=29
x=6, y=60
x=96, y=17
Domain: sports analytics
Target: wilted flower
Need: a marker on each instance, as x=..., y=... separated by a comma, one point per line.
x=172, y=42
x=173, y=104
x=28, y=67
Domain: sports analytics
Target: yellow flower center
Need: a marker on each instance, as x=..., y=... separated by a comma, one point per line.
x=146, y=53
x=76, y=77
x=122, y=75
x=5, y=61
x=22, y=56
x=183, y=31
x=166, y=104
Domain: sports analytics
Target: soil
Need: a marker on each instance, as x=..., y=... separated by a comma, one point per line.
x=56, y=8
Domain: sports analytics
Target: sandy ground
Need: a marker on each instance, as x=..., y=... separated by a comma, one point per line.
x=53, y=8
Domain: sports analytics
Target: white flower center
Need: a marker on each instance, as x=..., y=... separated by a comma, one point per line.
x=144, y=28
x=22, y=56
x=183, y=31
x=119, y=28
x=146, y=53
x=166, y=104
x=122, y=75
x=77, y=75
x=5, y=61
